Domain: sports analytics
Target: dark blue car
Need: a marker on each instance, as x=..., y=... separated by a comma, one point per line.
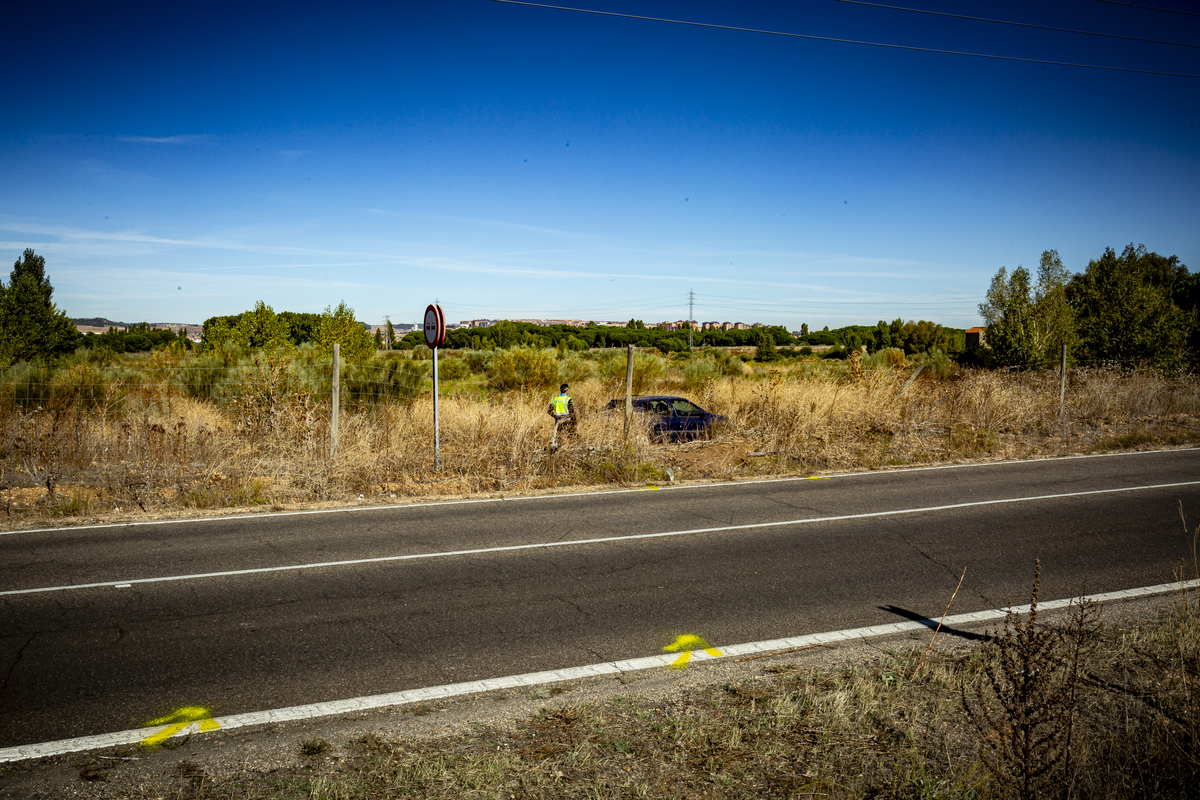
x=672, y=419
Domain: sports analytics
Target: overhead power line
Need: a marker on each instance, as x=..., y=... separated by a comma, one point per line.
x=846, y=41
x=1019, y=24
x=1149, y=8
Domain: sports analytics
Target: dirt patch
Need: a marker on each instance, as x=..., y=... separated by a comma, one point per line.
x=709, y=459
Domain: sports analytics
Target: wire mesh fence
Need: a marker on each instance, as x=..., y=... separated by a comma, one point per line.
x=221, y=429
x=195, y=431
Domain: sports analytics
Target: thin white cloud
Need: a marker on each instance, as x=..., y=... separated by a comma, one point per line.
x=182, y=138
x=70, y=235
x=489, y=223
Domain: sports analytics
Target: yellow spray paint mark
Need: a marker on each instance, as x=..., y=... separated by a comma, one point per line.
x=176, y=721
x=816, y=478
x=655, y=488
x=684, y=644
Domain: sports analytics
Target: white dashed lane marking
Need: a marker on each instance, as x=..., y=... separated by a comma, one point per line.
x=126, y=583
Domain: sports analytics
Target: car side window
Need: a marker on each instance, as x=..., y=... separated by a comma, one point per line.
x=685, y=409
x=657, y=407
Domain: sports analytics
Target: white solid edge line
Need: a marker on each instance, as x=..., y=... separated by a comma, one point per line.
x=367, y=703
x=567, y=495
x=128, y=582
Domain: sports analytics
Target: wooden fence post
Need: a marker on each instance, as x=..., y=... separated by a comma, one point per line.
x=336, y=401
x=628, y=390
x=1062, y=382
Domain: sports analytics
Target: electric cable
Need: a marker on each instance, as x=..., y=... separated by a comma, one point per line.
x=1149, y=8
x=1019, y=24
x=848, y=41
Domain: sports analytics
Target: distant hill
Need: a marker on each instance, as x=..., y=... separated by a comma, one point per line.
x=99, y=322
x=102, y=324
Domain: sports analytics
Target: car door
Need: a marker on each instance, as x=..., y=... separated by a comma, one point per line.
x=658, y=415
x=687, y=419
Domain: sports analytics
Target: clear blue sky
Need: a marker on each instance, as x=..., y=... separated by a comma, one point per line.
x=177, y=161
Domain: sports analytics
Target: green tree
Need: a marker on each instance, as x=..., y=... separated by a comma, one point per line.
x=261, y=328
x=765, y=351
x=1053, y=315
x=505, y=333
x=1125, y=308
x=887, y=335
x=217, y=331
x=391, y=334
x=1008, y=312
x=339, y=326
x=804, y=329
x=1186, y=295
x=30, y=324
x=300, y=325
x=1027, y=325
x=851, y=340
x=922, y=337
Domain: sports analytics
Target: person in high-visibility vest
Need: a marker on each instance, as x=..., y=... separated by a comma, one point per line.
x=563, y=411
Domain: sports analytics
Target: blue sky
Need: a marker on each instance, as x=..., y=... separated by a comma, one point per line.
x=173, y=163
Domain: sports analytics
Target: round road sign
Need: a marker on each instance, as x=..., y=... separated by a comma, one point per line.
x=435, y=326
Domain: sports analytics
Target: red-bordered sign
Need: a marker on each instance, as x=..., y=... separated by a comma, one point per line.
x=435, y=326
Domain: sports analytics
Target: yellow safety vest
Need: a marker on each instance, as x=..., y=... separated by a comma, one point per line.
x=560, y=404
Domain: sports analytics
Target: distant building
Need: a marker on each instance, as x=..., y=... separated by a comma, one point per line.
x=677, y=325
x=976, y=336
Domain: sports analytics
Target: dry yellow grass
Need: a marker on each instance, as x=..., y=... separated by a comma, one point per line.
x=153, y=449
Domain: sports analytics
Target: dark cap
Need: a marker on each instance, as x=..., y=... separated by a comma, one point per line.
x=563, y=388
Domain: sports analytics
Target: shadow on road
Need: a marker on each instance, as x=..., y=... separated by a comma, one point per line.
x=933, y=623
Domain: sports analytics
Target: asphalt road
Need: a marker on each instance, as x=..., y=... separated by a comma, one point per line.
x=586, y=578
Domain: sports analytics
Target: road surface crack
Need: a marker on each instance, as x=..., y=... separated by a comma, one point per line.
x=13, y=667
x=582, y=612
x=383, y=632
x=786, y=504
x=949, y=570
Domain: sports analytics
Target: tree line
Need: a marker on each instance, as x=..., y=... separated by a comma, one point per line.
x=138, y=337
x=1136, y=308
x=506, y=334
x=261, y=328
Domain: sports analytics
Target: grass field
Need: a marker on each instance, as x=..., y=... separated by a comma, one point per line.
x=171, y=431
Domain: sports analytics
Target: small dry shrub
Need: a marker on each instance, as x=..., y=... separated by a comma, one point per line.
x=1023, y=704
x=523, y=368
x=313, y=747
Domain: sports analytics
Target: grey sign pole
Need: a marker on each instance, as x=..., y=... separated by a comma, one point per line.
x=435, y=337
x=437, y=432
